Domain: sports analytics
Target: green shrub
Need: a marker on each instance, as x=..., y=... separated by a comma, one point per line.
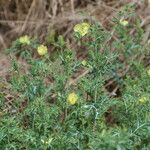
x=49, y=109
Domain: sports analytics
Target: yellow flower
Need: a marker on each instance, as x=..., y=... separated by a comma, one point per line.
x=24, y=40
x=124, y=22
x=148, y=72
x=82, y=28
x=72, y=98
x=42, y=50
x=84, y=62
x=142, y=100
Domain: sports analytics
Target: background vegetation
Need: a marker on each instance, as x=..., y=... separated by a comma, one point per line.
x=62, y=90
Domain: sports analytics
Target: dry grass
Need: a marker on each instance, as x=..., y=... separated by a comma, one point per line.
x=37, y=18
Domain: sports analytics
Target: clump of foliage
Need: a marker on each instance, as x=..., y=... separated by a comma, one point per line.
x=50, y=110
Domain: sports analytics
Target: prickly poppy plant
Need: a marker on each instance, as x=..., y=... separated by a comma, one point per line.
x=104, y=107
